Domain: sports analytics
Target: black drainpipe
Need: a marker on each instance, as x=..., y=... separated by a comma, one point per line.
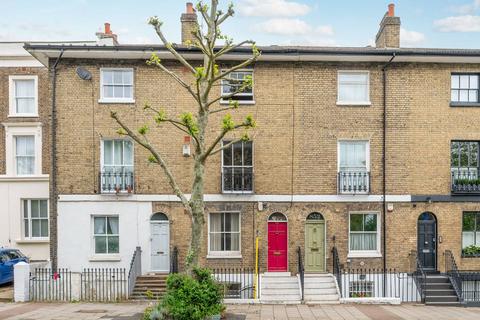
x=53, y=169
x=384, y=172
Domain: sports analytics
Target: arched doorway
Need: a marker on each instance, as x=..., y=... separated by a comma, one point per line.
x=315, y=243
x=160, y=242
x=427, y=241
x=277, y=242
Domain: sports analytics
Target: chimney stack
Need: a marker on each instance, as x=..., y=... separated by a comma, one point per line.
x=107, y=37
x=388, y=35
x=189, y=23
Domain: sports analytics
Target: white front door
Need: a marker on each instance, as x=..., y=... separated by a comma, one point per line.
x=160, y=246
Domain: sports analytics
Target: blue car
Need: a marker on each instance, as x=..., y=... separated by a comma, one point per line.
x=9, y=258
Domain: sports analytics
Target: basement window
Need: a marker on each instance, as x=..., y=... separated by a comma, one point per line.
x=361, y=289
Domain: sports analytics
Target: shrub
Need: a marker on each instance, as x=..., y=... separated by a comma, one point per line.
x=471, y=250
x=193, y=297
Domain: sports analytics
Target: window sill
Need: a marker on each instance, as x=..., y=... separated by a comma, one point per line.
x=113, y=193
x=224, y=256
x=116, y=101
x=100, y=258
x=364, y=254
x=33, y=115
x=354, y=104
x=247, y=102
x=465, y=104
x=33, y=241
x=43, y=177
x=237, y=192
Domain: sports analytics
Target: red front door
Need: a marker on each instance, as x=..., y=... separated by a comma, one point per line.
x=277, y=246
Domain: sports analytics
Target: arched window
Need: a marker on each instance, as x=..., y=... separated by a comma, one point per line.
x=315, y=216
x=159, y=216
x=277, y=216
x=426, y=216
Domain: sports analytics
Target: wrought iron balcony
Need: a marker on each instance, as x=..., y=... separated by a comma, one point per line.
x=465, y=183
x=116, y=182
x=353, y=182
x=237, y=180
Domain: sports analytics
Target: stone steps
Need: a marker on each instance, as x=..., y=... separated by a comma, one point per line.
x=320, y=289
x=150, y=286
x=280, y=288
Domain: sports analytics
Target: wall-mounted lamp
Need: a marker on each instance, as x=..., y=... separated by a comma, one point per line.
x=186, y=146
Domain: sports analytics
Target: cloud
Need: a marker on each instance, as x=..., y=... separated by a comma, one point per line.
x=272, y=8
x=467, y=8
x=411, y=38
x=466, y=23
x=291, y=27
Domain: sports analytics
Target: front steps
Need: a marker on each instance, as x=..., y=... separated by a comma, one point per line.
x=439, y=291
x=150, y=286
x=320, y=288
x=280, y=288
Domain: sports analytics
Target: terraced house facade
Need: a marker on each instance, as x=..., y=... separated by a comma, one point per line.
x=373, y=151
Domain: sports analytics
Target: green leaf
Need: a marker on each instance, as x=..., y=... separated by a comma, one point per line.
x=189, y=121
x=143, y=130
x=250, y=122
x=122, y=132
x=227, y=123
x=155, y=21
x=152, y=159
x=160, y=117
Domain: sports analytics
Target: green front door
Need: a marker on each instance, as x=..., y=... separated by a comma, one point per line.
x=315, y=246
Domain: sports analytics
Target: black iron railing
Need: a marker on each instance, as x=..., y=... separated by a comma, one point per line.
x=116, y=182
x=336, y=268
x=104, y=284
x=301, y=272
x=470, y=287
x=174, y=261
x=453, y=274
x=353, y=182
x=237, y=179
x=49, y=285
x=237, y=283
x=419, y=275
x=379, y=283
x=135, y=269
x=465, y=183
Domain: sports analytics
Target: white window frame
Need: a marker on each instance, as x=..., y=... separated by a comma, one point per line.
x=226, y=254
x=12, y=102
x=367, y=151
x=22, y=206
x=116, y=100
x=100, y=256
x=366, y=253
x=243, y=166
x=102, y=157
x=226, y=101
x=22, y=129
x=353, y=103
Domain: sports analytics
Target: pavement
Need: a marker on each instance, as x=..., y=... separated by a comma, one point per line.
x=6, y=292
x=134, y=311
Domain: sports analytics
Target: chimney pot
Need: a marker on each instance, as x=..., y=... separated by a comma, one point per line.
x=107, y=28
x=190, y=7
x=391, y=10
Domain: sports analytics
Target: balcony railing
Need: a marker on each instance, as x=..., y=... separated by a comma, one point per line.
x=116, y=182
x=465, y=183
x=237, y=180
x=351, y=182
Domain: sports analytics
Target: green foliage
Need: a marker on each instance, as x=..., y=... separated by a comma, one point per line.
x=153, y=61
x=155, y=21
x=189, y=121
x=192, y=297
x=471, y=250
x=122, y=132
x=149, y=294
x=250, y=122
x=160, y=116
x=152, y=159
x=468, y=182
x=143, y=130
x=199, y=72
x=227, y=123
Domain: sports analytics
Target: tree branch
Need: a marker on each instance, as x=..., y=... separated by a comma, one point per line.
x=234, y=68
x=171, y=179
x=157, y=26
x=227, y=49
x=220, y=137
x=226, y=146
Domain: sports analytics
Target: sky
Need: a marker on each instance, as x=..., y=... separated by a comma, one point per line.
x=425, y=23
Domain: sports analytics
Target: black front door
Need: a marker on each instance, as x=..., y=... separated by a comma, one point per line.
x=427, y=241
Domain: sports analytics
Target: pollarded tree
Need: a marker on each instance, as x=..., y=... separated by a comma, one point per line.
x=204, y=77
